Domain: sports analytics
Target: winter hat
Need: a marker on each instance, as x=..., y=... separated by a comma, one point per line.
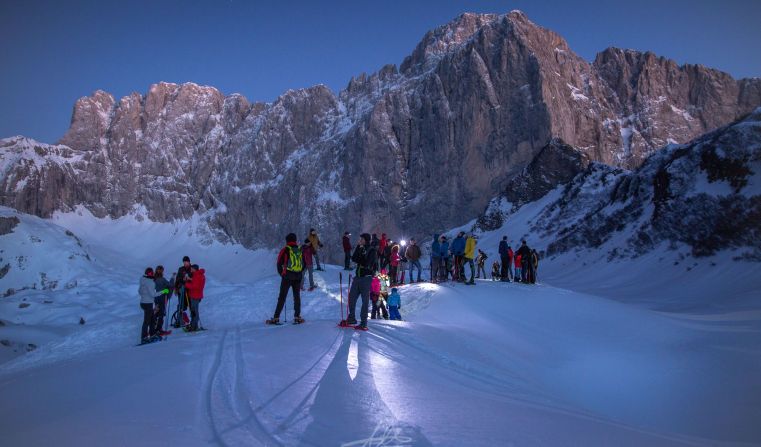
x=306, y=241
x=195, y=267
x=149, y=272
x=394, y=290
x=346, y=233
x=291, y=237
x=365, y=236
x=186, y=259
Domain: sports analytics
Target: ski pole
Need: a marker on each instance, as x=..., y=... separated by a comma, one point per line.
x=348, y=296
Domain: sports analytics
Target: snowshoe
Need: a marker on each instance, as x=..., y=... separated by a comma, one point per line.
x=298, y=320
x=311, y=289
x=164, y=333
x=347, y=323
x=273, y=321
x=361, y=327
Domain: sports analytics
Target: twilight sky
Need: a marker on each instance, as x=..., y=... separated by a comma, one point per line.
x=54, y=52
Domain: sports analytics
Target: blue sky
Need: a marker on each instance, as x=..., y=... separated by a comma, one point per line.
x=54, y=52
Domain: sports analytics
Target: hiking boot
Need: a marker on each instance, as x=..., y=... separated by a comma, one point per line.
x=298, y=320
x=272, y=321
x=351, y=321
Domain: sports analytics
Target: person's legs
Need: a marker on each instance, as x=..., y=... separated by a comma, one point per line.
x=296, y=297
x=147, y=319
x=194, y=314
x=472, y=267
x=317, y=260
x=353, y=292
x=311, y=276
x=504, y=269
x=160, y=311
x=281, y=297
x=347, y=260
x=364, y=284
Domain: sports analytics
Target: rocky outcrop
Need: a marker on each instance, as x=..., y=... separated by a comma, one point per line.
x=705, y=195
x=407, y=150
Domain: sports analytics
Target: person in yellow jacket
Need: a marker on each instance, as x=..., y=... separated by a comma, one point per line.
x=470, y=255
x=314, y=240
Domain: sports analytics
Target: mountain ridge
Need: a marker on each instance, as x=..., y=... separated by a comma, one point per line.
x=465, y=112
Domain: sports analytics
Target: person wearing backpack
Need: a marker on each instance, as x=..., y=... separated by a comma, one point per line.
x=290, y=266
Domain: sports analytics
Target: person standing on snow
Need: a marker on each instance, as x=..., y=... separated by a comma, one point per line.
x=435, y=258
x=382, y=244
x=504, y=274
x=393, y=260
x=183, y=274
x=160, y=301
x=446, y=260
x=525, y=254
x=413, y=254
x=316, y=246
x=147, y=293
x=458, y=251
x=394, y=304
x=480, y=261
x=379, y=308
x=365, y=256
x=535, y=264
x=194, y=289
x=347, y=250
x=518, y=267
x=290, y=266
x=469, y=256
x=306, y=253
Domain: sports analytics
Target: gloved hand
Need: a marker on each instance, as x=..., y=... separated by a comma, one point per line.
x=165, y=292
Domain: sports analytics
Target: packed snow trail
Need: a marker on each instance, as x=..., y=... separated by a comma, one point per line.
x=491, y=364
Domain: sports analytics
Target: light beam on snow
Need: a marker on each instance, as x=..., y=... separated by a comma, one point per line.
x=352, y=361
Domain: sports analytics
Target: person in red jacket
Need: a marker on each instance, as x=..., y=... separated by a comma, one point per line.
x=382, y=251
x=194, y=288
x=290, y=265
x=347, y=250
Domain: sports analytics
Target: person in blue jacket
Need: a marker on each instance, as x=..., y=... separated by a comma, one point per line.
x=444, y=254
x=435, y=258
x=458, y=251
x=394, y=304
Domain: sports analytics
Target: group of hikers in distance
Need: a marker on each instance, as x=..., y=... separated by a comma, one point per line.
x=380, y=266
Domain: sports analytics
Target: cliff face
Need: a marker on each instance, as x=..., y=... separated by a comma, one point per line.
x=406, y=150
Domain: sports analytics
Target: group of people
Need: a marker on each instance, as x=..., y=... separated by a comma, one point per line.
x=525, y=261
x=379, y=265
x=155, y=291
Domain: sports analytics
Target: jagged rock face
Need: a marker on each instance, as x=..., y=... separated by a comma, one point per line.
x=404, y=151
x=706, y=195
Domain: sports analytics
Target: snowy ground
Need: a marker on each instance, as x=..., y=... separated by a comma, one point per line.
x=491, y=364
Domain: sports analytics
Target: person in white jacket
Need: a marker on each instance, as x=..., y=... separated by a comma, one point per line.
x=147, y=292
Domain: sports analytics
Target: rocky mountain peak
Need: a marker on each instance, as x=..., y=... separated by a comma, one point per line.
x=497, y=98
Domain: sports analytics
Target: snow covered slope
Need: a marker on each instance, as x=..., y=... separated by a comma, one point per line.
x=492, y=364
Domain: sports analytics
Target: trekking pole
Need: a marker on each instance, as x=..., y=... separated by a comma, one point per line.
x=341, y=288
x=166, y=304
x=348, y=296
